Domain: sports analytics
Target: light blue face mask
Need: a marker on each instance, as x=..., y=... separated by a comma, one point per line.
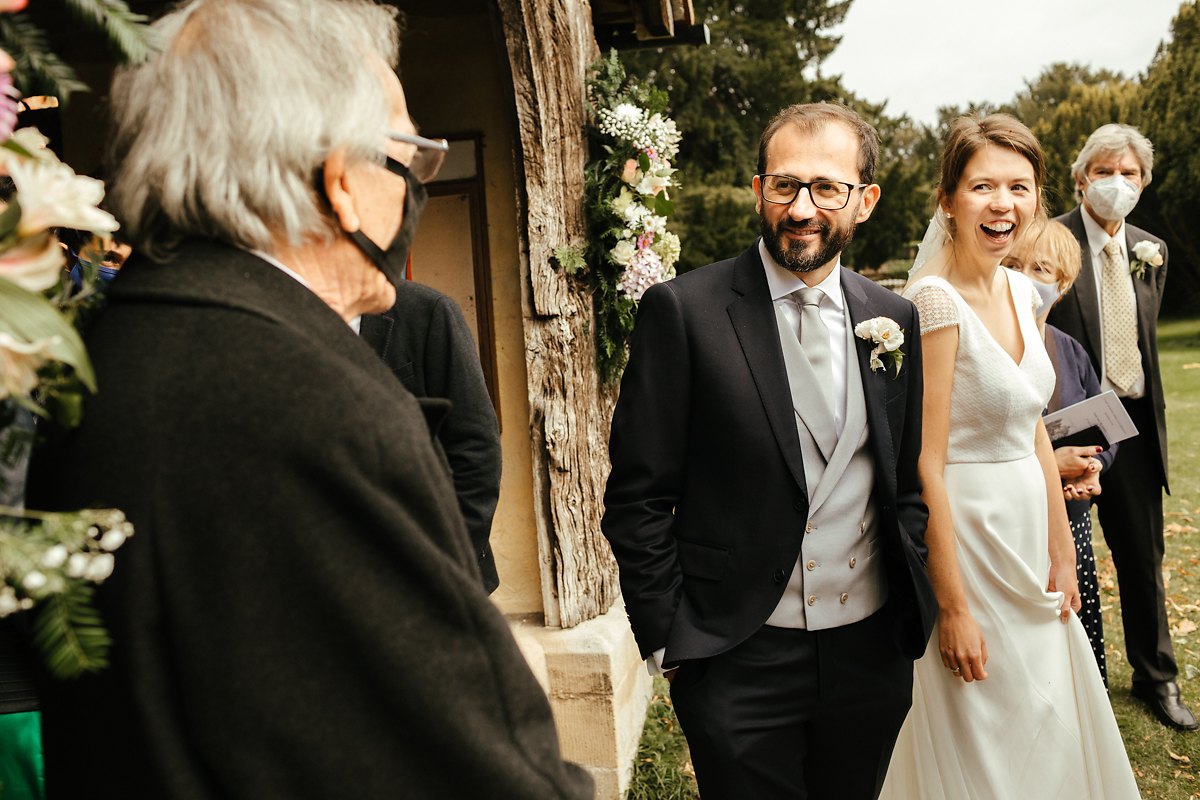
x=1049, y=292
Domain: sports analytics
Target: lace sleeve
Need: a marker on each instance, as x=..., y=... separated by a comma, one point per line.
x=936, y=307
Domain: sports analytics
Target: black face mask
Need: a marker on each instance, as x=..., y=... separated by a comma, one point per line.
x=393, y=260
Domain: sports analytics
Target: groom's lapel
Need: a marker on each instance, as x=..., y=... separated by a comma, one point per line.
x=752, y=314
x=873, y=382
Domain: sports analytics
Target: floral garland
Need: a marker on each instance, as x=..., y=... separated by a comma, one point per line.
x=49, y=563
x=627, y=185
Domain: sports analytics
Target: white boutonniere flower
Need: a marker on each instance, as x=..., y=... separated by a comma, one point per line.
x=887, y=337
x=1145, y=254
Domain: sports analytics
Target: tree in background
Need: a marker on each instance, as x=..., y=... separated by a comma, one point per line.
x=1062, y=106
x=764, y=55
x=767, y=54
x=1170, y=111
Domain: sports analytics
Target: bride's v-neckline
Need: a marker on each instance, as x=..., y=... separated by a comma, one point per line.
x=1012, y=301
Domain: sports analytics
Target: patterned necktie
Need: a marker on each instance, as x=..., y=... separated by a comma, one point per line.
x=1118, y=312
x=814, y=338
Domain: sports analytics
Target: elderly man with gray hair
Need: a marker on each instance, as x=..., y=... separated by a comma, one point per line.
x=300, y=614
x=1113, y=312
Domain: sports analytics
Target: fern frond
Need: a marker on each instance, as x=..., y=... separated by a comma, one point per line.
x=68, y=631
x=128, y=32
x=38, y=70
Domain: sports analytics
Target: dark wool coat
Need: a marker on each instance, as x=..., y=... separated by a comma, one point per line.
x=299, y=614
x=427, y=344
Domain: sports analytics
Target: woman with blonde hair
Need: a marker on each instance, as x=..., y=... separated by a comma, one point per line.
x=1050, y=257
x=1006, y=700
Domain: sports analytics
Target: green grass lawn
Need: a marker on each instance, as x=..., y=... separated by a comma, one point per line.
x=1166, y=762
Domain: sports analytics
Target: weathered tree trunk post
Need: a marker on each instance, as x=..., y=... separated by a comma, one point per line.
x=550, y=45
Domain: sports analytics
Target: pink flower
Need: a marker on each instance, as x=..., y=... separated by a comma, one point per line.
x=629, y=173
x=12, y=5
x=8, y=96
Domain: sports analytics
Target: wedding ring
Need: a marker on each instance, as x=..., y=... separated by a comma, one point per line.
x=956, y=670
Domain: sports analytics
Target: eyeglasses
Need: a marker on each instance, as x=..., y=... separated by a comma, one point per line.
x=826, y=195
x=430, y=154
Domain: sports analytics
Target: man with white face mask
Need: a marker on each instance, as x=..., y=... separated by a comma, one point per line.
x=1113, y=310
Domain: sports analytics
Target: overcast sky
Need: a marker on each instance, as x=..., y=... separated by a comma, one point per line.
x=921, y=54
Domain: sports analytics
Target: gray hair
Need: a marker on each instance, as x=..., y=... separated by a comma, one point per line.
x=1114, y=139
x=223, y=133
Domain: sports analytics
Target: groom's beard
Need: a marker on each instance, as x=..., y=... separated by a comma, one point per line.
x=801, y=256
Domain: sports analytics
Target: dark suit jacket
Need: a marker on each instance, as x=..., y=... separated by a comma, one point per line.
x=299, y=613
x=707, y=502
x=427, y=344
x=1078, y=316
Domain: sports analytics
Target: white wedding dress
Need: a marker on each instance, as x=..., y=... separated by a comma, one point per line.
x=1041, y=726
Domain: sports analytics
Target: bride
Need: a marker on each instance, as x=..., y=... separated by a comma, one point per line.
x=1007, y=700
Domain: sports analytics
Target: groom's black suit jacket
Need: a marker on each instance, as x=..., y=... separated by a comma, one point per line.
x=707, y=501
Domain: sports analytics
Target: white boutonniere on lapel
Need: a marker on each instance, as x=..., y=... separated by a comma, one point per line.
x=1145, y=254
x=887, y=337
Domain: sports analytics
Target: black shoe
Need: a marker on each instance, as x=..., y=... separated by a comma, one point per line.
x=1164, y=700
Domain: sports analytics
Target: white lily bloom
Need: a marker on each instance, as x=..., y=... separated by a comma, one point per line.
x=52, y=195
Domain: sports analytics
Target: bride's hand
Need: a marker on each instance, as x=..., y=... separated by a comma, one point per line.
x=1064, y=580
x=964, y=652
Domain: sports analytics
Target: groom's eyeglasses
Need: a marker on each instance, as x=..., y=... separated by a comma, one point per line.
x=826, y=195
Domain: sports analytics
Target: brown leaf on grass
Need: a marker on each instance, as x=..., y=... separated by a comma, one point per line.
x=1184, y=627
x=1191, y=366
x=1175, y=527
x=1176, y=757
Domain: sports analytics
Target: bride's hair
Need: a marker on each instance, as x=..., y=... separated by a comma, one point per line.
x=969, y=135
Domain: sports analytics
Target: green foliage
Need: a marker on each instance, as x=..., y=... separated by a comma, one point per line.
x=763, y=57
x=70, y=634
x=571, y=258
x=1170, y=110
x=40, y=71
x=1064, y=126
x=714, y=223
x=126, y=30
x=621, y=160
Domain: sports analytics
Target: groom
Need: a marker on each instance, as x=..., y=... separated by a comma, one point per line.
x=763, y=504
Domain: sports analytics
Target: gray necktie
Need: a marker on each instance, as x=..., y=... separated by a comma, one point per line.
x=814, y=338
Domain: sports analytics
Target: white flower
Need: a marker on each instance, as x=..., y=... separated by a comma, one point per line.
x=1149, y=252
x=111, y=540
x=19, y=363
x=99, y=567
x=628, y=113
x=33, y=581
x=882, y=331
x=32, y=141
x=52, y=195
x=653, y=184
x=623, y=253
x=667, y=246
x=634, y=212
x=621, y=202
x=887, y=337
x=8, y=602
x=35, y=263
x=55, y=557
x=77, y=565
